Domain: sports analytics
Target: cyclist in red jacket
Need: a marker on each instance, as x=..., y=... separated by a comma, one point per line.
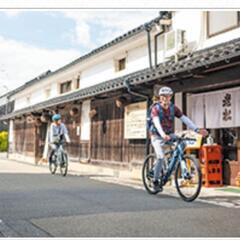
x=162, y=115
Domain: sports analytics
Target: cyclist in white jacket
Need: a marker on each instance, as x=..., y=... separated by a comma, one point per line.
x=58, y=133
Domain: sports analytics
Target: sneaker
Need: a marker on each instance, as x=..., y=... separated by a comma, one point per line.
x=150, y=174
x=187, y=176
x=157, y=186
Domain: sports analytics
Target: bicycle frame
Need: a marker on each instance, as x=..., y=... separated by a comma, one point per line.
x=177, y=155
x=59, y=151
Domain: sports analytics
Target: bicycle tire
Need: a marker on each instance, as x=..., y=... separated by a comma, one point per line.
x=52, y=167
x=147, y=180
x=180, y=188
x=64, y=164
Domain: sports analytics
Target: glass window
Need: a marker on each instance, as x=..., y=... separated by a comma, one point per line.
x=221, y=21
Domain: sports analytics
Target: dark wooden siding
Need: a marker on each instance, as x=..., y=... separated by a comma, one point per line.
x=24, y=137
x=72, y=123
x=134, y=150
x=41, y=132
x=107, y=132
x=107, y=136
x=77, y=149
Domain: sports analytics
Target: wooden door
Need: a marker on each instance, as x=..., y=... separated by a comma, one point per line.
x=107, y=132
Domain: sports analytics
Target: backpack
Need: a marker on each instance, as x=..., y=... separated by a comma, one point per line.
x=150, y=125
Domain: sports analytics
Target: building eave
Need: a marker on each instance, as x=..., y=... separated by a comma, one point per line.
x=205, y=58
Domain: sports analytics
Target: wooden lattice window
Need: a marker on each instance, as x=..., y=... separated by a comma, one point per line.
x=120, y=64
x=65, y=87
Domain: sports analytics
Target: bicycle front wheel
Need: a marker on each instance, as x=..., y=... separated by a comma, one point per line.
x=52, y=166
x=188, y=184
x=147, y=173
x=64, y=164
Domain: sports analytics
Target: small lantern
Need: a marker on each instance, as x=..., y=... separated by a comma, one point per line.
x=92, y=113
x=44, y=118
x=120, y=102
x=29, y=119
x=73, y=112
x=38, y=122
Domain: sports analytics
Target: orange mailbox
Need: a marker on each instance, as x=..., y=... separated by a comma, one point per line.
x=211, y=165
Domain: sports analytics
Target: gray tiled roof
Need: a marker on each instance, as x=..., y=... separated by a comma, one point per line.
x=203, y=58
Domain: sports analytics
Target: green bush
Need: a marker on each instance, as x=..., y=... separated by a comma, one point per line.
x=3, y=141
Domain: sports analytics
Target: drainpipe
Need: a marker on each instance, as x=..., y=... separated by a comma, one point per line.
x=127, y=85
x=164, y=16
x=148, y=29
x=156, y=45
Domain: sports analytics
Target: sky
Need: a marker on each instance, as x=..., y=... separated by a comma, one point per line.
x=32, y=42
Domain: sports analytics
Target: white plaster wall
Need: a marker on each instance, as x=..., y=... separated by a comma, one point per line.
x=224, y=37
x=137, y=59
x=20, y=103
x=85, y=121
x=194, y=22
x=99, y=71
x=96, y=74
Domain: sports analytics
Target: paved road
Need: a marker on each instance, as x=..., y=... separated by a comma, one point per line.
x=34, y=203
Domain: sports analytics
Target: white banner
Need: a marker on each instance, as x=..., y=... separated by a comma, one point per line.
x=197, y=110
x=221, y=108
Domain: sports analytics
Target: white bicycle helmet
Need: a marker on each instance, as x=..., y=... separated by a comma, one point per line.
x=165, y=91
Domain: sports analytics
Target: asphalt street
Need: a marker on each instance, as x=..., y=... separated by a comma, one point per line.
x=37, y=204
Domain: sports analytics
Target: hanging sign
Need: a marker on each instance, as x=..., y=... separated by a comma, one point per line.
x=222, y=108
x=135, y=116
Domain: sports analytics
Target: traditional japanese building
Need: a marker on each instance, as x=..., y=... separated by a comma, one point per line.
x=103, y=96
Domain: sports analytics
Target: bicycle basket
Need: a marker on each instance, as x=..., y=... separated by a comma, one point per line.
x=194, y=144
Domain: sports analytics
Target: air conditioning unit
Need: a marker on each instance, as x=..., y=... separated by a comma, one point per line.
x=174, y=42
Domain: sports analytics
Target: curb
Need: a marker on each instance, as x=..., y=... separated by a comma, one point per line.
x=127, y=177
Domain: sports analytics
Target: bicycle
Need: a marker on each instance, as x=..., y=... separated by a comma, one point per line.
x=188, y=176
x=59, y=158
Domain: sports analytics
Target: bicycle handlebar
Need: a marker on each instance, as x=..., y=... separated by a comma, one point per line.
x=175, y=138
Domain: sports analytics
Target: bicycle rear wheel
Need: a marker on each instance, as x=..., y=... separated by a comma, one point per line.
x=64, y=164
x=147, y=174
x=189, y=184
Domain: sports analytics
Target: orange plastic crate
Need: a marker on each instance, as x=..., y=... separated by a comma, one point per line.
x=211, y=165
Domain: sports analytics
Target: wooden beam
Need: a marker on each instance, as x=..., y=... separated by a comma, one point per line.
x=220, y=79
